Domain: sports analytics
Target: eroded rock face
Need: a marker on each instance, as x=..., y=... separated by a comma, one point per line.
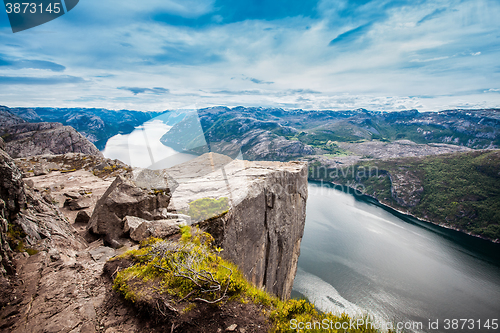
x=28, y=139
x=124, y=198
x=263, y=228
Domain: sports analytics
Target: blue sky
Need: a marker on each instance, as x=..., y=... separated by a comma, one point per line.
x=167, y=54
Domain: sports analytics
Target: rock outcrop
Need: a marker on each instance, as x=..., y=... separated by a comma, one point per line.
x=263, y=228
x=29, y=222
x=50, y=277
x=97, y=125
x=124, y=198
x=28, y=139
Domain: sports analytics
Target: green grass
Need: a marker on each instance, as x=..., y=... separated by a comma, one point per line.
x=160, y=274
x=205, y=208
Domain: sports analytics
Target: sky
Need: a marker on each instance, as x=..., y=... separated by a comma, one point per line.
x=312, y=54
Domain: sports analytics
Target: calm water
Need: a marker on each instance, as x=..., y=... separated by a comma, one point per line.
x=142, y=148
x=359, y=258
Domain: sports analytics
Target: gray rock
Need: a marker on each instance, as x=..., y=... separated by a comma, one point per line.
x=72, y=195
x=124, y=198
x=263, y=228
x=29, y=139
x=77, y=204
x=130, y=223
x=102, y=253
x=158, y=229
x=40, y=170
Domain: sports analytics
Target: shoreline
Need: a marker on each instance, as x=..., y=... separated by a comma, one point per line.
x=472, y=242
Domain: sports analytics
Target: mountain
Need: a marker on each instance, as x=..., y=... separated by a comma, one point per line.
x=97, y=125
x=277, y=134
x=436, y=166
x=28, y=139
x=8, y=119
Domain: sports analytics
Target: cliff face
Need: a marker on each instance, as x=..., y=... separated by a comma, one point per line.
x=263, y=227
x=28, y=139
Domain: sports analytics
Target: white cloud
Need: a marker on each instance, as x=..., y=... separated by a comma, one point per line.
x=397, y=58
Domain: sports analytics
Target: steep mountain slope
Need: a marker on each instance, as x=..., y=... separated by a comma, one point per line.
x=458, y=190
x=8, y=119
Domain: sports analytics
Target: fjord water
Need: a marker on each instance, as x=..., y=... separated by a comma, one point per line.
x=359, y=258
x=142, y=148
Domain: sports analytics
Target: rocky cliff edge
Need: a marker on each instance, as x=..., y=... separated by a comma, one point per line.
x=52, y=267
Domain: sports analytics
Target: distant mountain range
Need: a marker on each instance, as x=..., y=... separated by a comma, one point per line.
x=442, y=167
x=97, y=125
x=276, y=134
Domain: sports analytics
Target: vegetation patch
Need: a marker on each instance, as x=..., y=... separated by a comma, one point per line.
x=205, y=208
x=178, y=282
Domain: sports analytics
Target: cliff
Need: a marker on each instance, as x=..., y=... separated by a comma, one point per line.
x=28, y=139
x=266, y=205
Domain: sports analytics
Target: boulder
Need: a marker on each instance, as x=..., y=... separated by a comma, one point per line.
x=77, y=204
x=82, y=217
x=72, y=195
x=102, y=253
x=40, y=170
x=157, y=229
x=29, y=139
x=124, y=198
x=130, y=223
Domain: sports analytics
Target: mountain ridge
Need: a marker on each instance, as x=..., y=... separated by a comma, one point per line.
x=96, y=124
